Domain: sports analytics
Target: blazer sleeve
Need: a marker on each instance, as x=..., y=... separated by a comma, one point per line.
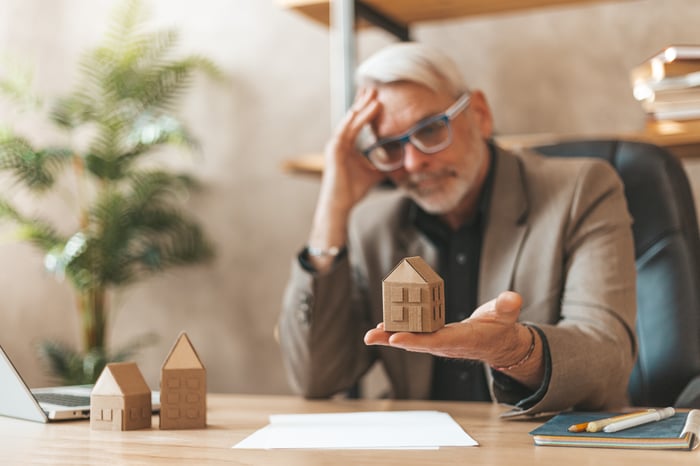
x=321, y=330
x=592, y=343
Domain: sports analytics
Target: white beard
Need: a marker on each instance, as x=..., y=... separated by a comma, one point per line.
x=447, y=190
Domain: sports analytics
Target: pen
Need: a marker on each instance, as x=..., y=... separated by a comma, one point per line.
x=597, y=426
x=652, y=416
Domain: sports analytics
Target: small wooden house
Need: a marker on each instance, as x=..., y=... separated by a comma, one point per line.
x=183, y=388
x=414, y=297
x=120, y=399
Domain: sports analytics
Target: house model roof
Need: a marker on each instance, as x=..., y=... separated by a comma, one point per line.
x=182, y=355
x=122, y=378
x=413, y=270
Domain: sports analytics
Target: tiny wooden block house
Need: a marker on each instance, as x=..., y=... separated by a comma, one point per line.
x=120, y=399
x=183, y=388
x=413, y=297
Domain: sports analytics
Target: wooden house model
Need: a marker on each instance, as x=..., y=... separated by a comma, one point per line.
x=120, y=399
x=413, y=297
x=183, y=388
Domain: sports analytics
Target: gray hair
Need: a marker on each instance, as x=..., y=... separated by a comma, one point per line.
x=412, y=62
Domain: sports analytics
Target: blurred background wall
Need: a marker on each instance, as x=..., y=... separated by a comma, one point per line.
x=557, y=70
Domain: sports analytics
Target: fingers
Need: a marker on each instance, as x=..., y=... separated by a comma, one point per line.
x=505, y=308
x=508, y=304
x=441, y=343
x=377, y=336
x=363, y=110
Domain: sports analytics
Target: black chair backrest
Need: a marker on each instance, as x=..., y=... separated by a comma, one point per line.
x=667, y=251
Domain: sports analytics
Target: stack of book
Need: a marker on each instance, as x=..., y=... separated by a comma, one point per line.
x=668, y=84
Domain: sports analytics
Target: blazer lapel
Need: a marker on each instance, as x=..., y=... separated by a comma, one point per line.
x=506, y=227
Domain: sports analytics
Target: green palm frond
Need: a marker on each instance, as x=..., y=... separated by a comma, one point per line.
x=109, y=142
x=116, y=148
x=6, y=133
x=127, y=18
x=63, y=360
x=167, y=240
x=37, y=169
x=72, y=111
x=108, y=244
x=156, y=188
x=183, y=245
x=38, y=232
x=16, y=84
x=76, y=368
x=7, y=211
x=137, y=233
x=73, y=367
x=142, y=232
x=150, y=130
x=152, y=47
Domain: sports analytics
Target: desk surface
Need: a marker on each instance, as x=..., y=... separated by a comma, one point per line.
x=231, y=418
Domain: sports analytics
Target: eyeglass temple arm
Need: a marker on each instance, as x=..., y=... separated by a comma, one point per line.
x=459, y=105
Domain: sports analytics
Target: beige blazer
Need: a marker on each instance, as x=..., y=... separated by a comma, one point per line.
x=557, y=232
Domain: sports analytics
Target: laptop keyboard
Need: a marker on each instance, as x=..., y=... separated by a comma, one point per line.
x=62, y=399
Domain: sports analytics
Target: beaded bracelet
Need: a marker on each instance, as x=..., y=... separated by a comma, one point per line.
x=527, y=355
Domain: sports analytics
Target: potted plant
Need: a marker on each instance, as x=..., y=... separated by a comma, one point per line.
x=131, y=223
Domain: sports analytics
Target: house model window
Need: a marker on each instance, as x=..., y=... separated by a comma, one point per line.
x=413, y=297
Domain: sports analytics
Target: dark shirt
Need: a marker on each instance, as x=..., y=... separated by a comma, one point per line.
x=459, y=255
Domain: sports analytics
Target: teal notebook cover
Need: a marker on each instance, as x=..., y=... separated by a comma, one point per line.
x=664, y=434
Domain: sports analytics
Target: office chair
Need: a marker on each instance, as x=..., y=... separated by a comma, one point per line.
x=667, y=252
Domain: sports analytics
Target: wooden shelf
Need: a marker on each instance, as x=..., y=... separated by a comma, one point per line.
x=681, y=137
x=307, y=164
x=411, y=11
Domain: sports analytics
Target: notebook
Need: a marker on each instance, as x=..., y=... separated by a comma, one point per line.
x=678, y=432
x=45, y=404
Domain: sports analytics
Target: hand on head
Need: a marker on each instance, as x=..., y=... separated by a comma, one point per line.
x=347, y=178
x=351, y=174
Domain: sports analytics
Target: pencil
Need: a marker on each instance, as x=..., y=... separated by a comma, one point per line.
x=597, y=426
x=578, y=427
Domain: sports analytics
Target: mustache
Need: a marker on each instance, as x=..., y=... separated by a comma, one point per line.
x=414, y=180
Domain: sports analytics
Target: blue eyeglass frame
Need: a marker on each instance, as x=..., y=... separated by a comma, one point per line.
x=447, y=116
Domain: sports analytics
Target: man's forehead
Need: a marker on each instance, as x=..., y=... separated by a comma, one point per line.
x=405, y=104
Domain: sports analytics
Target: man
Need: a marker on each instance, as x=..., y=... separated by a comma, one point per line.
x=555, y=231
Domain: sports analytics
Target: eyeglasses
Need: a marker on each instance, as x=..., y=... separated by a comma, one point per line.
x=428, y=136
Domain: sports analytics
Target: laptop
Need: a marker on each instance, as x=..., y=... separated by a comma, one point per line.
x=45, y=404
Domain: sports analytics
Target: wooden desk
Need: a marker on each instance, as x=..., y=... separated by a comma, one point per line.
x=231, y=418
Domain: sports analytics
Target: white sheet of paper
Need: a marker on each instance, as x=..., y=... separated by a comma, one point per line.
x=365, y=430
